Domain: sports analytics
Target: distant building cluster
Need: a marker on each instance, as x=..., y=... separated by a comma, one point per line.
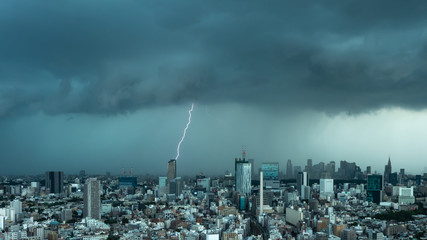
x=312, y=202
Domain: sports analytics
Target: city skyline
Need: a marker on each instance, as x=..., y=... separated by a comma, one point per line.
x=317, y=170
x=103, y=86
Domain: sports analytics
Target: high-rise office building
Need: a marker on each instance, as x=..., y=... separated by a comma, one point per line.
x=289, y=169
x=54, y=181
x=393, y=178
x=347, y=170
x=92, y=199
x=374, y=189
x=163, y=186
x=329, y=170
x=243, y=176
x=270, y=170
x=418, y=179
x=387, y=171
x=297, y=169
x=171, y=170
x=162, y=182
x=16, y=209
x=309, y=166
x=271, y=174
x=302, y=180
x=305, y=192
x=368, y=170
x=326, y=188
x=406, y=196
x=175, y=186
x=401, y=176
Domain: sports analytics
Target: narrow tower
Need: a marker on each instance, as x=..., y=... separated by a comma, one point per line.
x=261, y=194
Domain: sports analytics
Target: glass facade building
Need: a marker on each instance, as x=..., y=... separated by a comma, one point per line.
x=243, y=177
x=270, y=170
x=374, y=188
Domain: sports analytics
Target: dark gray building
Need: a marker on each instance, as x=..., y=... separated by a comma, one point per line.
x=54, y=182
x=302, y=180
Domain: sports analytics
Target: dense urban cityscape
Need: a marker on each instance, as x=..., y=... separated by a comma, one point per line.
x=316, y=201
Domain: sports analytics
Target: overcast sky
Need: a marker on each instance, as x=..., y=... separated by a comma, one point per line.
x=106, y=85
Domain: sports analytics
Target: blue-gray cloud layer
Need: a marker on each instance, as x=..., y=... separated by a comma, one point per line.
x=109, y=57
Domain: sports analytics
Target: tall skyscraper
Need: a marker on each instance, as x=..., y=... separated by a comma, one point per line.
x=302, y=180
x=329, y=170
x=374, y=190
x=347, y=170
x=393, y=178
x=289, y=169
x=54, y=181
x=92, y=199
x=387, y=171
x=243, y=174
x=309, y=166
x=401, y=176
x=171, y=170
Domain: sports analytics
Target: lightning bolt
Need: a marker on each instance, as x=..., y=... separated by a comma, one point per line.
x=185, y=131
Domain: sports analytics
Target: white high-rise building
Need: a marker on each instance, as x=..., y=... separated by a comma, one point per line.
x=2, y=220
x=92, y=199
x=305, y=192
x=40, y=232
x=10, y=214
x=406, y=196
x=17, y=206
x=326, y=188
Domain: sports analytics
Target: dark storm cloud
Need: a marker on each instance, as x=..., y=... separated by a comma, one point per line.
x=107, y=57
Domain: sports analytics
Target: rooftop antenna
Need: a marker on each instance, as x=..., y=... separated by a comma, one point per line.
x=243, y=152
